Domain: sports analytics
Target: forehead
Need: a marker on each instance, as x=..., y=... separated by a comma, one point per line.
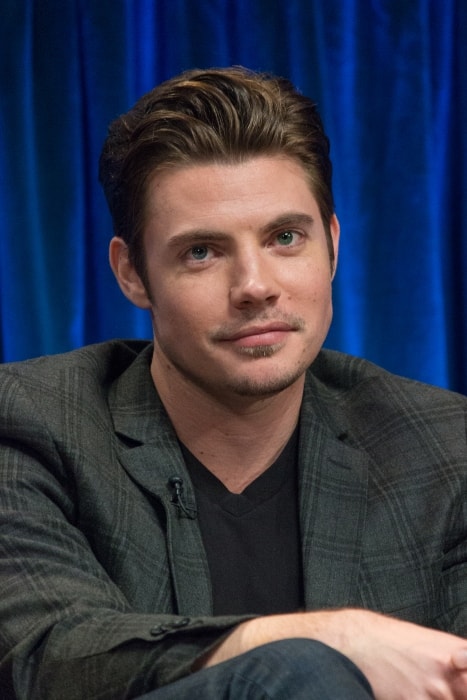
x=259, y=187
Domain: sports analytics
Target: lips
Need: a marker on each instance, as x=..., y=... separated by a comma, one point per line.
x=269, y=334
x=260, y=330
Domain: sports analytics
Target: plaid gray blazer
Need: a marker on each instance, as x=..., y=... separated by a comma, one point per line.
x=104, y=583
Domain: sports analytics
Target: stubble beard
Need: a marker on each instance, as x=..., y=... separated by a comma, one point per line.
x=242, y=385
x=245, y=386
x=262, y=389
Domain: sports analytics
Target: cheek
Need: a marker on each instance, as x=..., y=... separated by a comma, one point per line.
x=312, y=283
x=182, y=308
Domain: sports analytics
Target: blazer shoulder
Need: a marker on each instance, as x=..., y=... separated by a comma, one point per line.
x=60, y=391
x=101, y=361
x=340, y=375
x=368, y=400
x=393, y=419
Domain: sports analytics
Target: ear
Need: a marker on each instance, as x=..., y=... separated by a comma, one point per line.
x=128, y=279
x=335, y=234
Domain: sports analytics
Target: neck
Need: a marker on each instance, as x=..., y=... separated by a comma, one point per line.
x=238, y=438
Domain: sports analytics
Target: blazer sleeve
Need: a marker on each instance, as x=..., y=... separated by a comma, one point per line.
x=453, y=590
x=66, y=629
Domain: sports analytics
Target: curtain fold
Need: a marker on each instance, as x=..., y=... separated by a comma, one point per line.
x=389, y=77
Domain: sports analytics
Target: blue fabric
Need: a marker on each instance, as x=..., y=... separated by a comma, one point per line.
x=295, y=669
x=389, y=77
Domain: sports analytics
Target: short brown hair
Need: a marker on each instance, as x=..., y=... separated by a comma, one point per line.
x=221, y=115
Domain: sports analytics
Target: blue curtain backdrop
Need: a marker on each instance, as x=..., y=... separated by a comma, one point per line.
x=390, y=80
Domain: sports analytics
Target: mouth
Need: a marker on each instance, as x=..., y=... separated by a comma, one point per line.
x=259, y=335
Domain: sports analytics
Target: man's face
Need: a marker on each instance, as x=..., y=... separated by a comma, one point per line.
x=239, y=276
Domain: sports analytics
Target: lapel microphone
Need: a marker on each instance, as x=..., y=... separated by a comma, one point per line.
x=176, y=484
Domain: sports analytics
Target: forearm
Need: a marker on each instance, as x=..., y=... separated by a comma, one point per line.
x=401, y=660
x=326, y=626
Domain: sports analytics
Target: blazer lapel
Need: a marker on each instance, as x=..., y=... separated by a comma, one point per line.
x=333, y=480
x=148, y=450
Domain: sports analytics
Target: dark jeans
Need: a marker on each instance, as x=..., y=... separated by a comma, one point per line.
x=293, y=669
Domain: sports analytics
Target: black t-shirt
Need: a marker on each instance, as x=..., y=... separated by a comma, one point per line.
x=252, y=539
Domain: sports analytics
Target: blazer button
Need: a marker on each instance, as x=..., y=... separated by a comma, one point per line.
x=183, y=622
x=159, y=629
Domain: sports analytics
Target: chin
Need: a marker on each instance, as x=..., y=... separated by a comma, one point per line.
x=262, y=387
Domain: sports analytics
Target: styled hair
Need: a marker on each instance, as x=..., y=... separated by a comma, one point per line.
x=219, y=115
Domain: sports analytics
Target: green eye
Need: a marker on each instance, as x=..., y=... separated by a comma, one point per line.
x=285, y=238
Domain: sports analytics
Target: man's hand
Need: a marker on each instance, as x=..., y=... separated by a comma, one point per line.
x=402, y=661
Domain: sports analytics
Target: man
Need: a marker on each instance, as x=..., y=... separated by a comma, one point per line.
x=230, y=511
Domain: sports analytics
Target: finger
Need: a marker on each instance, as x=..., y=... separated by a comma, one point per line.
x=459, y=660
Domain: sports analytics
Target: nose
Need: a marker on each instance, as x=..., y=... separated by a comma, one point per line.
x=253, y=282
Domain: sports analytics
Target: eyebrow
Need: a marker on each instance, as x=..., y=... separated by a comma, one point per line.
x=195, y=235
x=288, y=219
